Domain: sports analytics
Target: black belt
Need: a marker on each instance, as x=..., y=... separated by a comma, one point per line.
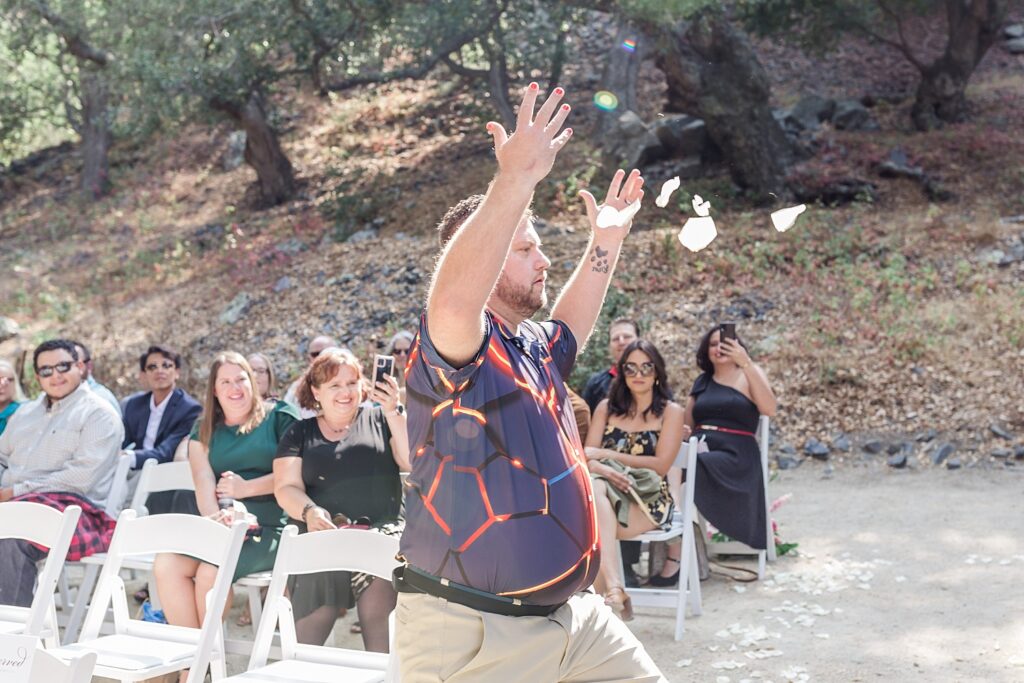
x=408, y=579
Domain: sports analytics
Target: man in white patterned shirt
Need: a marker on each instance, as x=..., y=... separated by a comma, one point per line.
x=64, y=442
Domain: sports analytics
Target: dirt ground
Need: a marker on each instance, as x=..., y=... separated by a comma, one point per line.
x=899, y=576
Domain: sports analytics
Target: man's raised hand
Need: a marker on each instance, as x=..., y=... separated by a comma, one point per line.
x=532, y=148
x=618, y=218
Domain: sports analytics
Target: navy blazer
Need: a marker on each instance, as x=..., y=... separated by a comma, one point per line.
x=179, y=417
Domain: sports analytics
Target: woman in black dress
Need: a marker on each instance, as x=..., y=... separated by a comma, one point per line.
x=343, y=464
x=633, y=440
x=724, y=407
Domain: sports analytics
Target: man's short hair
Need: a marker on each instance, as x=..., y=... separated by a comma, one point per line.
x=86, y=353
x=625, y=321
x=165, y=351
x=458, y=214
x=54, y=345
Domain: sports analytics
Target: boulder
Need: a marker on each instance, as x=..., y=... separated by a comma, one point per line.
x=810, y=111
x=635, y=144
x=8, y=329
x=1013, y=31
x=874, y=446
x=234, y=154
x=236, y=309
x=785, y=462
x=841, y=442
x=816, y=449
x=898, y=461
x=953, y=464
x=1000, y=431
x=852, y=115
x=942, y=452
x=681, y=135
x=1015, y=46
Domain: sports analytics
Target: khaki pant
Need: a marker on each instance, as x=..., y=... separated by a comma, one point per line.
x=581, y=642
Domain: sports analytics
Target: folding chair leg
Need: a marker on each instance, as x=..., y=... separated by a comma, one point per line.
x=81, y=603
x=255, y=607
x=218, y=666
x=761, y=558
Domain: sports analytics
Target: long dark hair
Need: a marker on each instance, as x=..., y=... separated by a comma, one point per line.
x=620, y=399
x=703, y=351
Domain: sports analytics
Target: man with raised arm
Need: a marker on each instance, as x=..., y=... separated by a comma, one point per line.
x=501, y=540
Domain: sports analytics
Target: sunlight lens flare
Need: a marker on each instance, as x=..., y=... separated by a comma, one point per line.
x=667, y=189
x=629, y=45
x=784, y=219
x=606, y=101
x=698, y=233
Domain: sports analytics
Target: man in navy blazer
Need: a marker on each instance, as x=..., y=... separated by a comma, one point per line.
x=155, y=422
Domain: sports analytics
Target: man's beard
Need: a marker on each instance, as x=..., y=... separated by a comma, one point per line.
x=522, y=300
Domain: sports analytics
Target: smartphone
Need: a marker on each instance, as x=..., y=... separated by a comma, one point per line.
x=382, y=365
x=727, y=331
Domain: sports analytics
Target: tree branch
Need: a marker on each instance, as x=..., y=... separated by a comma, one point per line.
x=420, y=70
x=464, y=71
x=76, y=43
x=903, y=46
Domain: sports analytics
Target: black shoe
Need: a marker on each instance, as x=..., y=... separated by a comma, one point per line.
x=631, y=580
x=660, y=581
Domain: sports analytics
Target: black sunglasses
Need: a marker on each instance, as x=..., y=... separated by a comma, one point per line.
x=47, y=370
x=643, y=369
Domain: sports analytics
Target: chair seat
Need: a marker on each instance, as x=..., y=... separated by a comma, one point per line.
x=15, y=627
x=260, y=579
x=140, y=562
x=132, y=653
x=294, y=671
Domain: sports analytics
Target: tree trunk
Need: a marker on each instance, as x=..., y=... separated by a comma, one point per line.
x=973, y=27
x=621, y=69
x=95, y=132
x=713, y=73
x=498, y=83
x=274, y=175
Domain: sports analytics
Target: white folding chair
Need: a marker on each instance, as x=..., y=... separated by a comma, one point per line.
x=138, y=650
x=154, y=478
x=354, y=550
x=49, y=669
x=687, y=592
x=736, y=547
x=48, y=527
x=115, y=501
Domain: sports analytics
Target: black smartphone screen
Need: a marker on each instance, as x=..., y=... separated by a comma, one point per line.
x=382, y=365
x=728, y=331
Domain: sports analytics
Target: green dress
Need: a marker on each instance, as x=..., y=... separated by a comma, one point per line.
x=250, y=456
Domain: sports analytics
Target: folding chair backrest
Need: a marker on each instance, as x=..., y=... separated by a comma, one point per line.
x=119, y=485
x=49, y=669
x=185, y=534
x=356, y=550
x=50, y=528
x=156, y=477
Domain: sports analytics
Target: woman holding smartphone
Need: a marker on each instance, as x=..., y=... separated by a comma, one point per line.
x=724, y=407
x=633, y=440
x=343, y=466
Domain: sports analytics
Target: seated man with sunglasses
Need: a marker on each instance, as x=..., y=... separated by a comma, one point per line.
x=58, y=450
x=317, y=345
x=156, y=421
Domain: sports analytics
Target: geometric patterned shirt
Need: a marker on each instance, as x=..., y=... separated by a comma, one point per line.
x=499, y=496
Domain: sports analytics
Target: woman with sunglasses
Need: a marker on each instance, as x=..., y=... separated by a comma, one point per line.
x=11, y=395
x=399, y=347
x=634, y=437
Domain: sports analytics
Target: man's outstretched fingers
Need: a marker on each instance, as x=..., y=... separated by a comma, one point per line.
x=497, y=132
x=548, y=108
x=525, y=116
x=614, y=186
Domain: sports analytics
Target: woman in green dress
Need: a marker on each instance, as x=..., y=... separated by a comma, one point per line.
x=231, y=453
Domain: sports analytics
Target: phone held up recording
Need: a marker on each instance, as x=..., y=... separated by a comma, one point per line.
x=382, y=365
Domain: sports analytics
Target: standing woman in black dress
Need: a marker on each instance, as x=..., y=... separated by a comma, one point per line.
x=724, y=407
x=345, y=461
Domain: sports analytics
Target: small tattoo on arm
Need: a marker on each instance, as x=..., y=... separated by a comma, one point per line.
x=599, y=260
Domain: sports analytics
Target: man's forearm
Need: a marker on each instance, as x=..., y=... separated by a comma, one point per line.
x=580, y=301
x=471, y=263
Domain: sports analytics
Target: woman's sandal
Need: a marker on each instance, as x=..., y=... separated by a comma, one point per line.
x=665, y=581
x=620, y=602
